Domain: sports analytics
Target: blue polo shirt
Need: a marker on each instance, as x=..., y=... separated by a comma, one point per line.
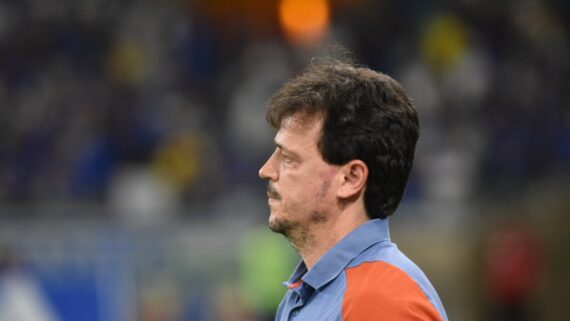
x=363, y=277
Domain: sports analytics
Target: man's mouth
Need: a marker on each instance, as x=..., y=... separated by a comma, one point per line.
x=272, y=193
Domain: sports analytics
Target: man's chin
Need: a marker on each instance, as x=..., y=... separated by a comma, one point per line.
x=281, y=225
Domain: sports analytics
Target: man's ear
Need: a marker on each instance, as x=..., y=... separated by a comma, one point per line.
x=353, y=179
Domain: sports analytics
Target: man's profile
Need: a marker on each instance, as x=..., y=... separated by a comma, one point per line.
x=345, y=144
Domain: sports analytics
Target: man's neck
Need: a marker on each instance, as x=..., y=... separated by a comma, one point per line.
x=324, y=236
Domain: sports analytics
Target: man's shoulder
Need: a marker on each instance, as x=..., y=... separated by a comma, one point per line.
x=387, y=253
x=379, y=278
x=383, y=281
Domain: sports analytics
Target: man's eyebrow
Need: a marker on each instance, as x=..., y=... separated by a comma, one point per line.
x=281, y=146
x=286, y=150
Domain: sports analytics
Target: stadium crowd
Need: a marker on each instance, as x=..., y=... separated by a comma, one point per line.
x=89, y=88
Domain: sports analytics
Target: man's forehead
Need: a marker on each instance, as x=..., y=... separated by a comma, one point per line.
x=301, y=121
x=298, y=131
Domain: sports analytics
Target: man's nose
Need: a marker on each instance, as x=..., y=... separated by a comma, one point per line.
x=268, y=171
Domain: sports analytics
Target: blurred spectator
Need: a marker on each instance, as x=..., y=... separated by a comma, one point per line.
x=513, y=267
x=265, y=263
x=21, y=296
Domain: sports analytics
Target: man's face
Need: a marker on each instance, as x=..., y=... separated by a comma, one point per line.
x=300, y=183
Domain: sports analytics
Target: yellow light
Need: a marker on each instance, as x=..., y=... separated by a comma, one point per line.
x=304, y=22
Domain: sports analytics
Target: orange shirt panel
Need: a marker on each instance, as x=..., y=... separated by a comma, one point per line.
x=380, y=291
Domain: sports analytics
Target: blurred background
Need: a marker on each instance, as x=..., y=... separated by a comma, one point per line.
x=131, y=132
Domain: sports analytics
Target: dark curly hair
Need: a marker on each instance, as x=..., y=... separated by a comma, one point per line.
x=366, y=115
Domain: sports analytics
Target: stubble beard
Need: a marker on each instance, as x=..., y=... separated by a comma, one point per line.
x=283, y=226
x=299, y=235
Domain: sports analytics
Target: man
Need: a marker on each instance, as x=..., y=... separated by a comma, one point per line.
x=344, y=148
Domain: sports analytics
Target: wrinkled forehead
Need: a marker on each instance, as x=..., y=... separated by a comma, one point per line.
x=302, y=121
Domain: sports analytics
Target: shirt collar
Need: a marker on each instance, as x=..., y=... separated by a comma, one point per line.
x=295, y=279
x=337, y=258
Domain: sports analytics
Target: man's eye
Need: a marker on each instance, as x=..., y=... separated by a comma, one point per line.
x=287, y=159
